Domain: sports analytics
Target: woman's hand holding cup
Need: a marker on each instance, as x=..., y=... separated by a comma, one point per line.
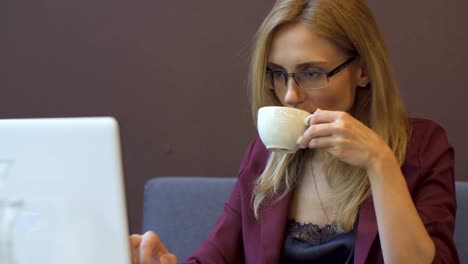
x=285, y=129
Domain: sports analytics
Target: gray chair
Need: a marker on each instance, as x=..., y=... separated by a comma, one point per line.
x=183, y=210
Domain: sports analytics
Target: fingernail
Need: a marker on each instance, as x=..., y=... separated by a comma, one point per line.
x=299, y=140
x=307, y=120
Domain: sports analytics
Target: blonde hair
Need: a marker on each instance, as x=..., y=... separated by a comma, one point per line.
x=352, y=27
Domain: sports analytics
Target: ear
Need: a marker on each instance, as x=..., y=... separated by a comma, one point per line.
x=361, y=74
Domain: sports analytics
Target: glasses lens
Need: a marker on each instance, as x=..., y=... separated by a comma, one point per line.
x=274, y=80
x=313, y=79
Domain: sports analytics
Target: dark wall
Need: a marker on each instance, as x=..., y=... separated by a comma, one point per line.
x=174, y=73
x=428, y=42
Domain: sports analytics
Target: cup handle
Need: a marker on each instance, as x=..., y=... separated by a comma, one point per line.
x=307, y=120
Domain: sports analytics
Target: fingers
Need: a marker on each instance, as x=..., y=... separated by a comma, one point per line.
x=324, y=124
x=135, y=241
x=315, y=131
x=334, y=142
x=150, y=246
x=326, y=116
x=168, y=259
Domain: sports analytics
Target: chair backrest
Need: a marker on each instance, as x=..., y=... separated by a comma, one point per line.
x=461, y=224
x=183, y=210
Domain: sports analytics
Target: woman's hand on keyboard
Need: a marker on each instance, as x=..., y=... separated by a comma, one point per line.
x=148, y=249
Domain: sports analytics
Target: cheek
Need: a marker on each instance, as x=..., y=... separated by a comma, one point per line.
x=280, y=97
x=337, y=100
x=325, y=100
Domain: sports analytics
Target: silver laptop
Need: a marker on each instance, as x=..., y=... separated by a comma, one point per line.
x=67, y=173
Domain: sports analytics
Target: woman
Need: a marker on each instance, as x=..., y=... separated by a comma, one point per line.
x=369, y=185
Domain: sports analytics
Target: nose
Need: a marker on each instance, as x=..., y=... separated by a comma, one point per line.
x=294, y=95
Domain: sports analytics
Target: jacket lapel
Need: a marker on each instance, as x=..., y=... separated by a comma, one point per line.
x=273, y=219
x=366, y=231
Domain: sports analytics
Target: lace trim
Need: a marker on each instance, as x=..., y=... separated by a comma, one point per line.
x=311, y=233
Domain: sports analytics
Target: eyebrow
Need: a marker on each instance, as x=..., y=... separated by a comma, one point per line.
x=299, y=66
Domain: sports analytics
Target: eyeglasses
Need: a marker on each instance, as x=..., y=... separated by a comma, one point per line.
x=310, y=79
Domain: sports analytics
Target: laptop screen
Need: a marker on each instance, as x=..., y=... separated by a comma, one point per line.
x=63, y=177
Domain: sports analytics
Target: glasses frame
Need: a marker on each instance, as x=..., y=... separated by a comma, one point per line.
x=329, y=74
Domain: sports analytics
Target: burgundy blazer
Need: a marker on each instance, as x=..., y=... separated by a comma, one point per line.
x=429, y=171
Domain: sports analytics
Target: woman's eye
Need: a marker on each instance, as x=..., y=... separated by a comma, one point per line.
x=277, y=74
x=313, y=74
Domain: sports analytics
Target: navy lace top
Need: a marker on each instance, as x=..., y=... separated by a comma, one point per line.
x=308, y=243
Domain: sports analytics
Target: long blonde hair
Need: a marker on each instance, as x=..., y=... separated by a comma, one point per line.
x=351, y=26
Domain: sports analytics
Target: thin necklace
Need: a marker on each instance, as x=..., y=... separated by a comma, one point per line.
x=318, y=195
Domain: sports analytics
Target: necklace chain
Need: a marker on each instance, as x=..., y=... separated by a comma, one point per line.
x=318, y=195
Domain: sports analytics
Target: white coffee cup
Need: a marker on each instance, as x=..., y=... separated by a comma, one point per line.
x=280, y=127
